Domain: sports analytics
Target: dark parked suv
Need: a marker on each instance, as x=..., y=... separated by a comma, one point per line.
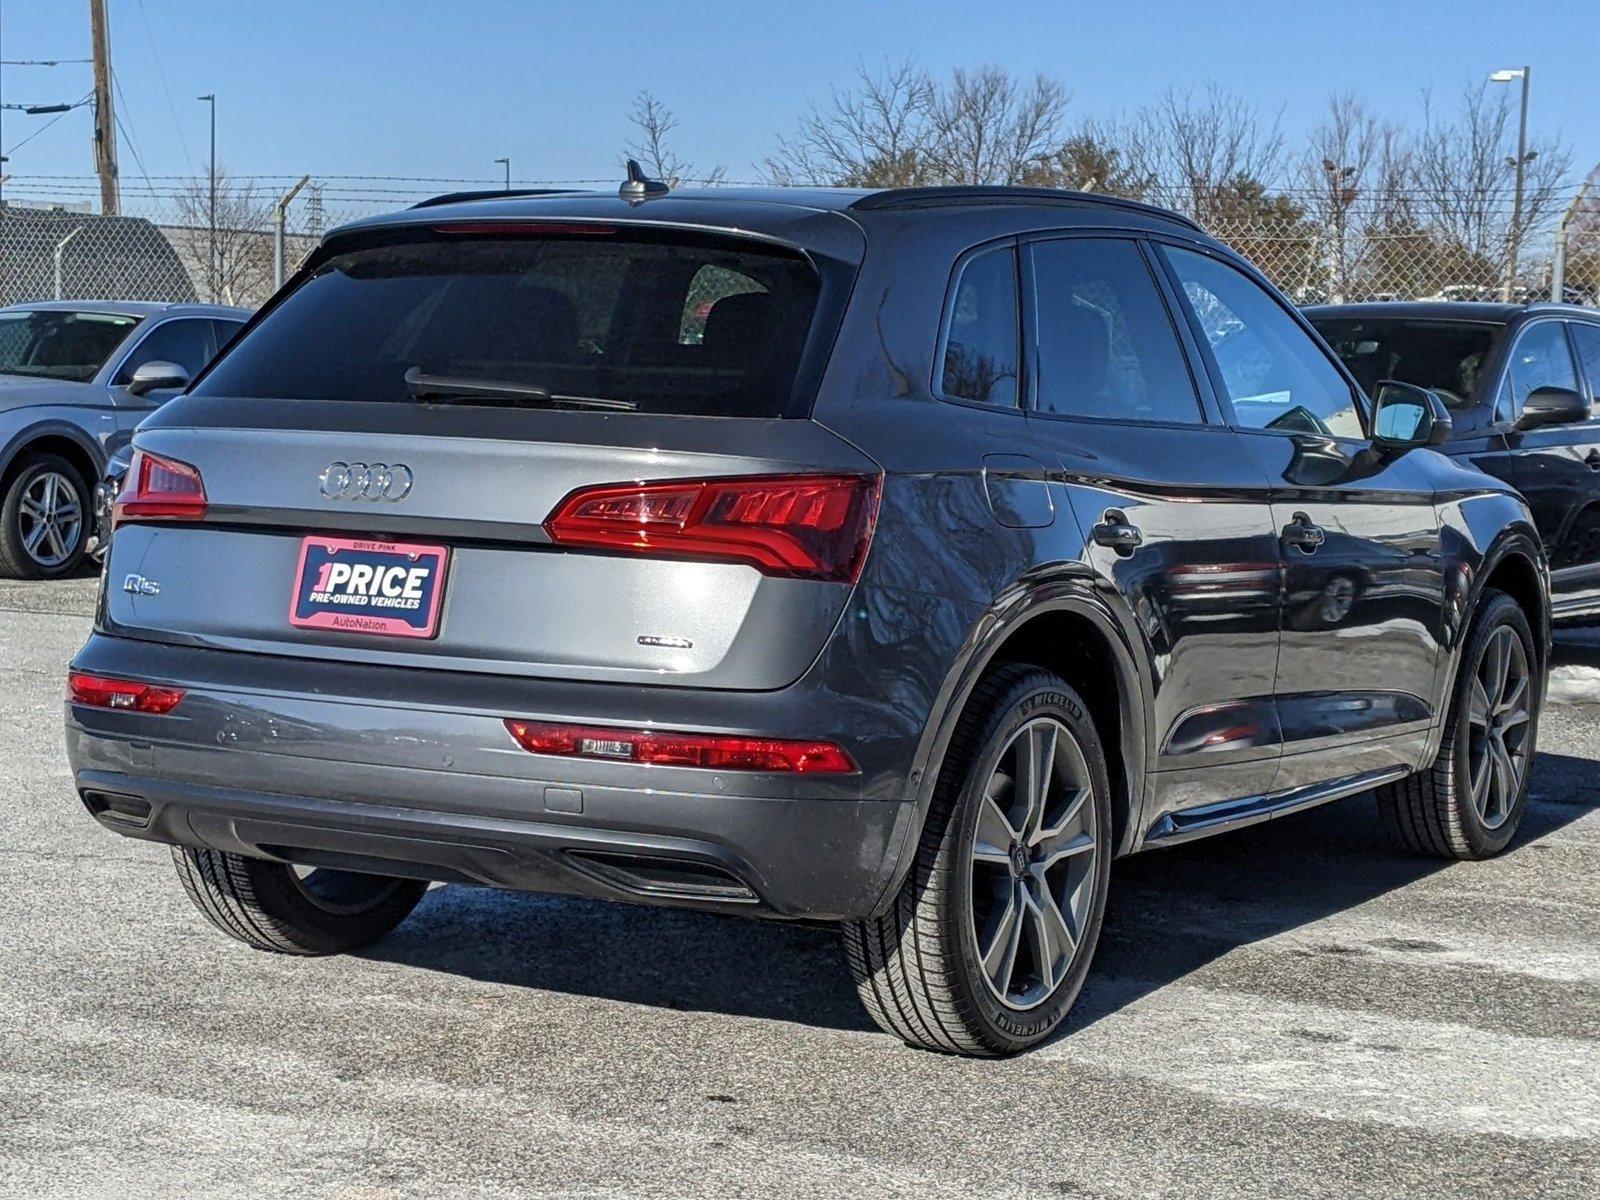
x=894, y=559
x=1523, y=385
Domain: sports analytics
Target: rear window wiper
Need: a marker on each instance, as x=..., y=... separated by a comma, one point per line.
x=445, y=388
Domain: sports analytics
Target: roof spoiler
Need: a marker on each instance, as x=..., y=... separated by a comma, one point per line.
x=491, y=194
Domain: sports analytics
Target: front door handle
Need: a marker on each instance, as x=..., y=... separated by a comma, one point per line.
x=1593, y=459
x=1117, y=532
x=1304, y=533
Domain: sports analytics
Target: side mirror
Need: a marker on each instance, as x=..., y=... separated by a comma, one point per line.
x=1552, y=406
x=157, y=375
x=1405, y=416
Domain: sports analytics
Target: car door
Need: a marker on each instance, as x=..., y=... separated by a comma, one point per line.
x=1363, y=580
x=1175, y=511
x=187, y=341
x=1555, y=467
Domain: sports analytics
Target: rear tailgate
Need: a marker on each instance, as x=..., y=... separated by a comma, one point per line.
x=512, y=602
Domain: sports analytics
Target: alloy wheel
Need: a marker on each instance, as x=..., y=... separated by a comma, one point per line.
x=52, y=519
x=1499, y=713
x=1034, y=855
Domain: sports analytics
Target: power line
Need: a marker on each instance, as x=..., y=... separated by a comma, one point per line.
x=161, y=74
x=10, y=150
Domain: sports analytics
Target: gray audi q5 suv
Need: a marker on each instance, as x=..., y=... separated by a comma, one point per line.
x=893, y=559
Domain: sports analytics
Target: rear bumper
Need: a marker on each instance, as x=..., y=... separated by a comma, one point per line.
x=355, y=768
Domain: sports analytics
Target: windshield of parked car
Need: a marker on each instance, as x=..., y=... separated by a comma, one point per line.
x=605, y=319
x=1446, y=356
x=60, y=345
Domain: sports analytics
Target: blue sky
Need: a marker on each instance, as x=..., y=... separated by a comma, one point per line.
x=443, y=87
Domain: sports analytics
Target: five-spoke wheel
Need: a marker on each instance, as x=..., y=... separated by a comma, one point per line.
x=1033, y=859
x=1468, y=801
x=44, y=518
x=1499, y=712
x=989, y=940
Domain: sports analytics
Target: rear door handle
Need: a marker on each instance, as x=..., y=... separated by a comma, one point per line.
x=1304, y=533
x=1117, y=532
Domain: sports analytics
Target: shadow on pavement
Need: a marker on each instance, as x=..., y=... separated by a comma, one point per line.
x=1256, y=883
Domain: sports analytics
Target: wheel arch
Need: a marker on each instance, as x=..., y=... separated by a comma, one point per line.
x=1514, y=564
x=1063, y=625
x=54, y=437
x=1518, y=570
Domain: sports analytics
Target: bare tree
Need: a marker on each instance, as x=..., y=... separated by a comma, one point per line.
x=899, y=127
x=989, y=127
x=235, y=266
x=1090, y=161
x=1463, y=171
x=877, y=134
x=1340, y=160
x=653, y=121
x=1197, y=146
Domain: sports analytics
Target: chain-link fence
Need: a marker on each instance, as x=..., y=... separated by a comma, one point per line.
x=167, y=246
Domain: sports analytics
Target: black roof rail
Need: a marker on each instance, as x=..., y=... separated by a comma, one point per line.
x=494, y=194
x=934, y=197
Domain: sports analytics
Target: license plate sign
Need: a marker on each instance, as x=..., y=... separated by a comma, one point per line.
x=391, y=589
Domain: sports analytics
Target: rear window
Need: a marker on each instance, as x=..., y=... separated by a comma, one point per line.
x=599, y=320
x=1446, y=356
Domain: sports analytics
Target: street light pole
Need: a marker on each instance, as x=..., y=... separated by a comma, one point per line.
x=1514, y=245
x=507, y=163
x=211, y=258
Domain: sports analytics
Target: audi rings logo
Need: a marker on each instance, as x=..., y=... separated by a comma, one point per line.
x=366, y=481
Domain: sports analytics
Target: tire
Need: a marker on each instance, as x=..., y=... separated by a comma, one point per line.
x=1438, y=811
x=919, y=968
x=21, y=556
x=269, y=906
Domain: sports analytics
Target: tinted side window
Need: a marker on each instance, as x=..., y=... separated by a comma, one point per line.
x=1541, y=358
x=1107, y=347
x=1276, y=376
x=1587, y=339
x=980, y=351
x=185, y=342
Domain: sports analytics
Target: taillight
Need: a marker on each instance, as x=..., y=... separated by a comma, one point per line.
x=713, y=752
x=803, y=526
x=97, y=691
x=159, y=489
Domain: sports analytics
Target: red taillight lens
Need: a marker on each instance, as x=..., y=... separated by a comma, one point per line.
x=804, y=526
x=99, y=692
x=159, y=489
x=709, y=751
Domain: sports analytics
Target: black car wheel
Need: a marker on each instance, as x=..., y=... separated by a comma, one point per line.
x=275, y=906
x=45, y=519
x=991, y=936
x=1468, y=803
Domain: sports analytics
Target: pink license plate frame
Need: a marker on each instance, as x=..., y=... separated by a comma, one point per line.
x=404, y=601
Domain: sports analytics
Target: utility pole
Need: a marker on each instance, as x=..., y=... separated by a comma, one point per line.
x=105, y=117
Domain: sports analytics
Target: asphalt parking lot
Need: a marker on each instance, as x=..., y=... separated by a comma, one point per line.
x=1297, y=1010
